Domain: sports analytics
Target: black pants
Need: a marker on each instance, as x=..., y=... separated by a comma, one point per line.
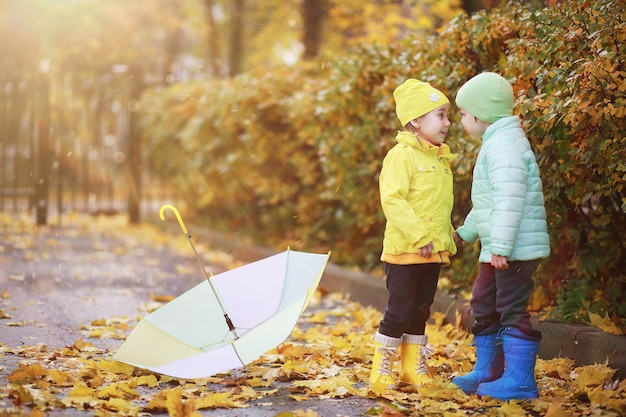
x=411, y=291
x=500, y=298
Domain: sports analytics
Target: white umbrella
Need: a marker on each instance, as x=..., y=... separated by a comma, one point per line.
x=228, y=320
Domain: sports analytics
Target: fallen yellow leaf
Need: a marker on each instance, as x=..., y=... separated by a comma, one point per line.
x=26, y=374
x=605, y=324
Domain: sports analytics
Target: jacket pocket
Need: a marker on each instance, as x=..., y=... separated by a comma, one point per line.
x=427, y=179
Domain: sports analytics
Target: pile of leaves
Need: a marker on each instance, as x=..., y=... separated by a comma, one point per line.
x=327, y=356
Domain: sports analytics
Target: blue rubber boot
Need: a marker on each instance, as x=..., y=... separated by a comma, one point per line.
x=518, y=381
x=489, y=363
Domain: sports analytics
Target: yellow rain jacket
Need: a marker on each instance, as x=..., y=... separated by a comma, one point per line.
x=416, y=194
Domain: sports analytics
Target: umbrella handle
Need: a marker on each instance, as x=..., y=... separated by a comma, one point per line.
x=229, y=323
x=176, y=213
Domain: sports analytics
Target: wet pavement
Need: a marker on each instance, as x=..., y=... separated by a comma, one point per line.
x=56, y=280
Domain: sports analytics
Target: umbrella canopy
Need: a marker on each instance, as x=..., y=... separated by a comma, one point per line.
x=228, y=320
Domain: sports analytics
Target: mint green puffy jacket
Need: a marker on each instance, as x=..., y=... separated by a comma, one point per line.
x=508, y=213
x=416, y=192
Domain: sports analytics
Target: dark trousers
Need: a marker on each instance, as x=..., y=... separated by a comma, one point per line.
x=500, y=298
x=411, y=291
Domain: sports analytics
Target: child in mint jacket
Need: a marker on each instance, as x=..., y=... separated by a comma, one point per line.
x=509, y=218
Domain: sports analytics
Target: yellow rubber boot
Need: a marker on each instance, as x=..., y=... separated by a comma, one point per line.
x=413, y=355
x=384, y=356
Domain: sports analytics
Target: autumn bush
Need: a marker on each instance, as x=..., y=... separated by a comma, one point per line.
x=291, y=156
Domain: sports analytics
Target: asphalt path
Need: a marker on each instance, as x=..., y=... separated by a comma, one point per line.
x=56, y=279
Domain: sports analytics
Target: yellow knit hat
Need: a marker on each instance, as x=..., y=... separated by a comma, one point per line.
x=415, y=98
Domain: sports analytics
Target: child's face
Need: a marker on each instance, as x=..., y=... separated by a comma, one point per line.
x=472, y=125
x=434, y=125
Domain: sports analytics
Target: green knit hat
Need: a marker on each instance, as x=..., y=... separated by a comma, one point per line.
x=487, y=96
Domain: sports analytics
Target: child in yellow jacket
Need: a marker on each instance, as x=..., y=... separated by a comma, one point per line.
x=417, y=198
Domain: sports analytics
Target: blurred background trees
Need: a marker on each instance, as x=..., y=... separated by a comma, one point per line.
x=87, y=62
x=178, y=40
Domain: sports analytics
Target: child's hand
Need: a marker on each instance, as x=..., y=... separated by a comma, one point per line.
x=499, y=262
x=457, y=239
x=426, y=251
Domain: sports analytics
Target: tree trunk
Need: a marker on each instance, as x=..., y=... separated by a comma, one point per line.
x=44, y=154
x=313, y=14
x=213, y=41
x=172, y=49
x=235, y=52
x=135, y=162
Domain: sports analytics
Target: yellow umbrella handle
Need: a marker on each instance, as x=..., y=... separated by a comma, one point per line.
x=229, y=323
x=176, y=213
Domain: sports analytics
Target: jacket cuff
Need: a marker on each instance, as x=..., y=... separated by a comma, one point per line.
x=465, y=235
x=500, y=249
